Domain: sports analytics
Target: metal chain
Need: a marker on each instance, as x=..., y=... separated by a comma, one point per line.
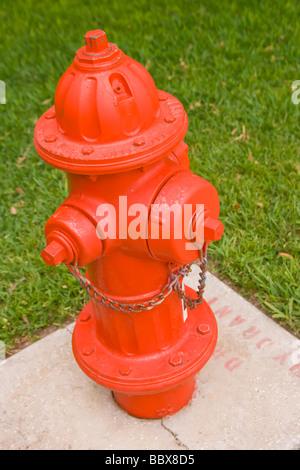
x=194, y=302
x=202, y=263
x=173, y=282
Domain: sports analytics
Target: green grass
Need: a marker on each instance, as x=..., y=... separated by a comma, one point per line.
x=231, y=64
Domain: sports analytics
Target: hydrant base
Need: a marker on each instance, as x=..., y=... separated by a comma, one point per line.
x=157, y=405
x=148, y=385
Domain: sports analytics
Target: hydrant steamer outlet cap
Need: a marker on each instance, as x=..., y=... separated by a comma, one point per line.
x=108, y=114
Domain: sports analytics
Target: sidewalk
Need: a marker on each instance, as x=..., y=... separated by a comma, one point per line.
x=247, y=395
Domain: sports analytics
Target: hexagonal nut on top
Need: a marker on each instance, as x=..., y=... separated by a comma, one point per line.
x=96, y=41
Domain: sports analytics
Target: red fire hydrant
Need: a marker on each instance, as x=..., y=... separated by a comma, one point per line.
x=136, y=217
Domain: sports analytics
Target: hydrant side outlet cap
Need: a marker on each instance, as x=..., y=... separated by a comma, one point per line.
x=108, y=115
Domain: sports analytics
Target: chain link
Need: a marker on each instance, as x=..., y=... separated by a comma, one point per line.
x=173, y=282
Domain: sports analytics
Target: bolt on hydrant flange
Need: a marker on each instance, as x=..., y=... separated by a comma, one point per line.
x=136, y=217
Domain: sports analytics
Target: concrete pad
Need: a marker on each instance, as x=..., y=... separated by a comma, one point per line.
x=247, y=395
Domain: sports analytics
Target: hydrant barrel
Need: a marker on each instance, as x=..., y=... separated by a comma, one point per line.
x=136, y=218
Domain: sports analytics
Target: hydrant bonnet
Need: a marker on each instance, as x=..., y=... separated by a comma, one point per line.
x=108, y=114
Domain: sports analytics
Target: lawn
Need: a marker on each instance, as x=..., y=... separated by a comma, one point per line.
x=232, y=65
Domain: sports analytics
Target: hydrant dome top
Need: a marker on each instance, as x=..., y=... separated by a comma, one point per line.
x=108, y=114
